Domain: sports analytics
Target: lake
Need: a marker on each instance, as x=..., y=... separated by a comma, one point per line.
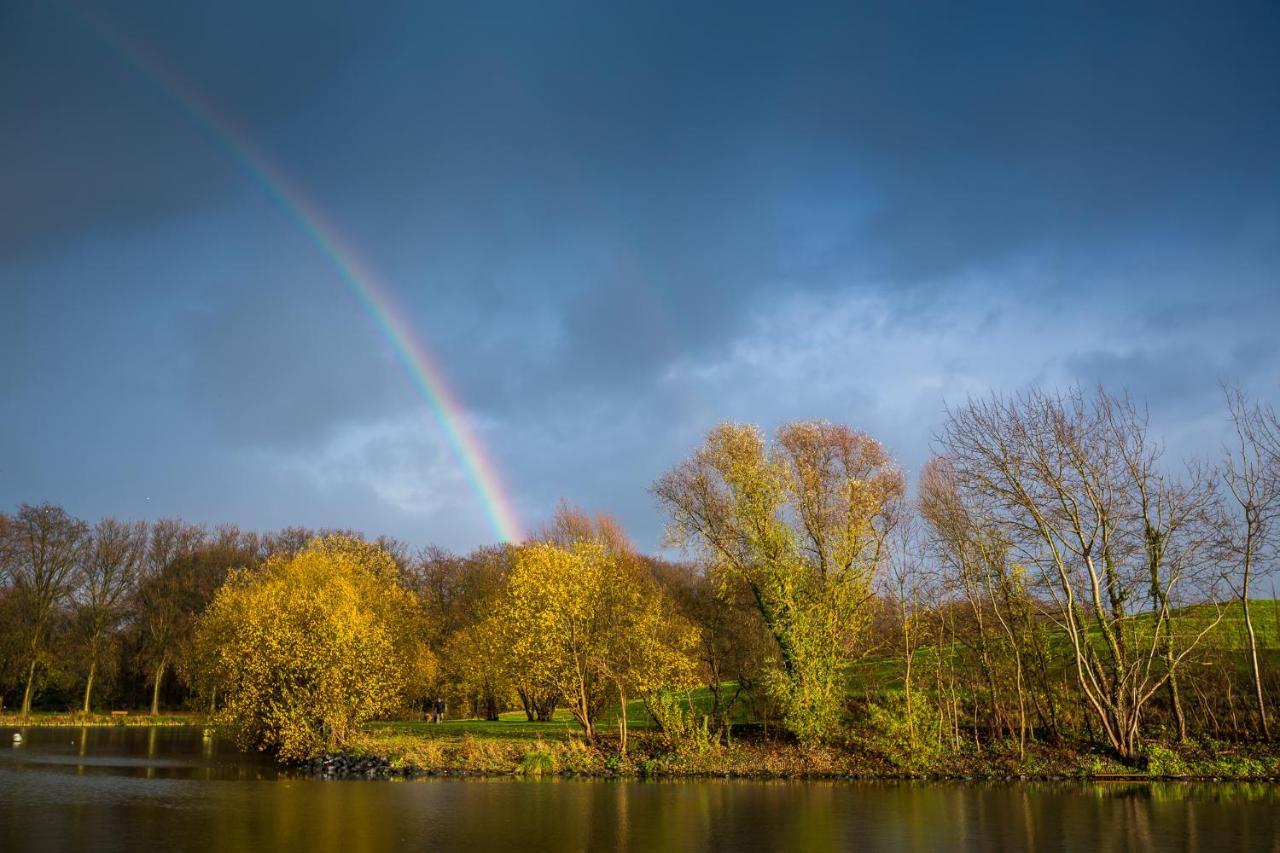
x=138, y=789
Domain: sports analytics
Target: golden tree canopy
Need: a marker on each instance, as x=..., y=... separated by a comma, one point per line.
x=309, y=646
x=590, y=625
x=801, y=523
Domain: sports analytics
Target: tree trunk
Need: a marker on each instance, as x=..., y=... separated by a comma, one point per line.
x=88, y=685
x=582, y=711
x=155, y=690
x=1155, y=549
x=530, y=713
x=1022, y=704
x=1257, y=671
x=988, y=672
x=622, y=723
x=906, y=690
x=31, y=682
x=1175, y=698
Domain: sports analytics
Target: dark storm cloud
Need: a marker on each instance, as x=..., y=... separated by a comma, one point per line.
x=615, y=224
x=92, y=140
x=705, y=162
x=283, y=366
x=1175, y=378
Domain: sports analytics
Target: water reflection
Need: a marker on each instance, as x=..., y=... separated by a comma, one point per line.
x=156, y=753
x=174, y=789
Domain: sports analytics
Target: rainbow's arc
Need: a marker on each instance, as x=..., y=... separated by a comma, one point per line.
x=352, y=269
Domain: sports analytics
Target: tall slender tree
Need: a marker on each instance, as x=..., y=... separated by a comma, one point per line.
x=801, y=523
x=111, y=564
x=1251, y=474
x=42, y=548
x=165, y=613
x=1065, y=477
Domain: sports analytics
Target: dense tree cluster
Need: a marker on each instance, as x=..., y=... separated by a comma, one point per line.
x=1051, y=576
x=101, y=615
x=802, y=526
x=1071, y=581
x=309, y=646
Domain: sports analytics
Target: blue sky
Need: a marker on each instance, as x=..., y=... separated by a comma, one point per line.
x=615, y=225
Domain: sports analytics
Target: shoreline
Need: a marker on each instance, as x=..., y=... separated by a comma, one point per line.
x=78, y=720
x=387, y=750
x=763, y=759
x=392, y=772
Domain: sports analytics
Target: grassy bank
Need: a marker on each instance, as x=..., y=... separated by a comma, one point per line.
x=69, y=720
x=512, y=746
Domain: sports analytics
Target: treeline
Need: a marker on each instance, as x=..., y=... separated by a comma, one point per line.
x=1086, y=586
x=101, y=615
x=1051, y=577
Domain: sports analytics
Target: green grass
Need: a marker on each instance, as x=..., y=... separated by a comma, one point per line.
x=511, y=725
x=1231, y=633
x=514, y=725
x=881, y=673
x=885, y=671
x=68, y=718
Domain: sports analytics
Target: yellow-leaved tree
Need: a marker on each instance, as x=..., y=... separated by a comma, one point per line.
x=801, y=524
x=307, y=647
x=479, y=660
x=591, y=626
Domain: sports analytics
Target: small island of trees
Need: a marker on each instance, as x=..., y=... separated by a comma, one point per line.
x=1052, y=595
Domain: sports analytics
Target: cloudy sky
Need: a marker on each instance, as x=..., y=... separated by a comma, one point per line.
x=613, y=225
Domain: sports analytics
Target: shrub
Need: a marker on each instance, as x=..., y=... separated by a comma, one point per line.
x=678, y=723
x=538, y=761
x=909, y=741
x=305, y=649
x=1162, y=761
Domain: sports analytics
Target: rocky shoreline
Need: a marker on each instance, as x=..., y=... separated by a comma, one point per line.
x=344, y=766
x=338, y=766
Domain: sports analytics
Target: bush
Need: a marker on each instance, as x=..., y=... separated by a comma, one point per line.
x=307, y=648
x=911, y=741
x=538, y=761
x=678, y=723
x=1162, y=761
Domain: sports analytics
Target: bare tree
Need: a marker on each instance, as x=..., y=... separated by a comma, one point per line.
x=1251, y=474
x=109, y=570
x=571, y=525
x=905, y=580
x=164, y=592
x=975, y=553
x=41, y=551
x=1172, y=525
x=1064, y=476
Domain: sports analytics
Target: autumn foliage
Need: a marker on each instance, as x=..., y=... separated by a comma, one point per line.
x=1053, y=579
x=306, y=648
x=588, y=625
x=800, y=523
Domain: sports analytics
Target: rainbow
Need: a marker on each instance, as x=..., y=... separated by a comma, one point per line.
x=359, y=277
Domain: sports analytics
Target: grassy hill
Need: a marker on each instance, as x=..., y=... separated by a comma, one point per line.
x=880, y=673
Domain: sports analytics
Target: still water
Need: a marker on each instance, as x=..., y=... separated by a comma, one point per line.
x=134, y=790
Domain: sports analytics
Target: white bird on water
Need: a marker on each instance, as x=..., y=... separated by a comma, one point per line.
x=17, y=737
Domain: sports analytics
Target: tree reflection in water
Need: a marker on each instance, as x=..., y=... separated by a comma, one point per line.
x=170, y=789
